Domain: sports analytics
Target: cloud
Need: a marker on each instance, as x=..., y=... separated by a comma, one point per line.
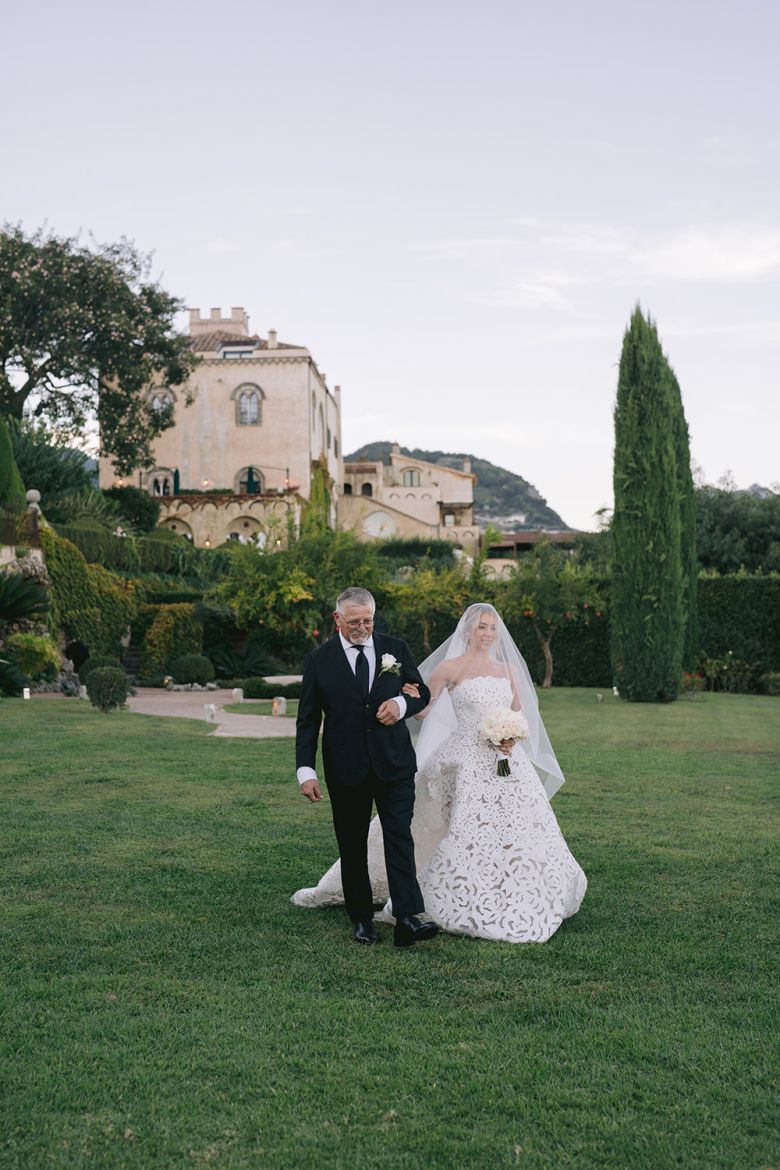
x=727, y=253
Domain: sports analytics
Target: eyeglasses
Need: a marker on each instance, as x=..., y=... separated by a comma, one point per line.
x=356, y=623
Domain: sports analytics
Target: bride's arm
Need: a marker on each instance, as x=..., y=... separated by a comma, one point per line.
x=516, y=703
x=439, y=680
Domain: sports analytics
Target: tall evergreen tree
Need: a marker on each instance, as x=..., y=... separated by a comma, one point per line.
x=689, y=561
x=647, y=616
x=11, y=487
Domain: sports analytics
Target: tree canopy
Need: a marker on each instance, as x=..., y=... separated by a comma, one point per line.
x=84, y=333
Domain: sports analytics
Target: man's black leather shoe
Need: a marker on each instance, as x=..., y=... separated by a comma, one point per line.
x=409, y=930
x=365, y=933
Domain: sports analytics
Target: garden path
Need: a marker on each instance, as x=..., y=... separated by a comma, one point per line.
x=191, y=705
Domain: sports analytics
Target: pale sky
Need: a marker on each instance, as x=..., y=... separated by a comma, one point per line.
x=455, y=206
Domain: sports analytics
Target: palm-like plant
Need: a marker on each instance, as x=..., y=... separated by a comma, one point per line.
x=22, y=598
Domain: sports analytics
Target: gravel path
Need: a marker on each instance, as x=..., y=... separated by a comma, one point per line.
x=192, y=705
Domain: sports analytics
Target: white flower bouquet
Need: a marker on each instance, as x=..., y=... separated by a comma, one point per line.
x=501, y=724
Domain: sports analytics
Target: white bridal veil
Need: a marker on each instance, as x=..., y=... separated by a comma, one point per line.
x=441, y=721
x=430, y=817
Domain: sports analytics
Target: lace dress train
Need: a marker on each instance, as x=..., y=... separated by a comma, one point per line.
x=492, y=860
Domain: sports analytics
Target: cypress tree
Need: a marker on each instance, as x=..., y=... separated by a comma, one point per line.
x=689, y=561
x=647, y=619
x=11, y=487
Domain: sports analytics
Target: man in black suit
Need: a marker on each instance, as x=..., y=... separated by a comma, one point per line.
x=355, y=681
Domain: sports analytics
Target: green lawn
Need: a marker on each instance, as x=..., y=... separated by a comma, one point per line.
x=165, y=1007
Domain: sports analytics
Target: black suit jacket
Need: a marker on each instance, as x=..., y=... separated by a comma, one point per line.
x=353, y=741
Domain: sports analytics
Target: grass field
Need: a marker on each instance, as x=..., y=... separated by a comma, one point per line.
x=164, y=1006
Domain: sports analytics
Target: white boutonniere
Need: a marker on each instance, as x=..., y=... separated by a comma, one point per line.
x=390, y=665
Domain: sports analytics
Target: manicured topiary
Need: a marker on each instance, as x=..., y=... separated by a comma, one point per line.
x=192, y=668
x=96, y=661
x=107, y=687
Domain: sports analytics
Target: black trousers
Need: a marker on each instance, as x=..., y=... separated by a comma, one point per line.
x=352, y=806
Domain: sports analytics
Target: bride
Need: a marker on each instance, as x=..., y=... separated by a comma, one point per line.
x=492, y=860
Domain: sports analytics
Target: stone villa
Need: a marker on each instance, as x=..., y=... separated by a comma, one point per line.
x=239, y=458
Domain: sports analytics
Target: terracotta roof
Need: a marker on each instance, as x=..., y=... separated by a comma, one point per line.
x=214, y=341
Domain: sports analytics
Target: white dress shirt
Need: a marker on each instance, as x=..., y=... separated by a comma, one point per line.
x=351, y=650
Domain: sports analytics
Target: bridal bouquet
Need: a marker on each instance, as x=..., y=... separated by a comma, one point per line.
x=500, y=724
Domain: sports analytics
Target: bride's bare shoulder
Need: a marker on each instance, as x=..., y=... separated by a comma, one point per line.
x=447, y=670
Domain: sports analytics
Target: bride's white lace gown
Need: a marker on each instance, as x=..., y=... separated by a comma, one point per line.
x=492, y=860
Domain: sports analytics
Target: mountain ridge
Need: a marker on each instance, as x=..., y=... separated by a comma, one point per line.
x=501, y=497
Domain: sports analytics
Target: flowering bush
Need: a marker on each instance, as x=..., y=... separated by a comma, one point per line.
x=692, y=684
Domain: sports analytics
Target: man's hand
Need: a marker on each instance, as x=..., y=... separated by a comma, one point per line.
x=311, y=790
x=389, y=713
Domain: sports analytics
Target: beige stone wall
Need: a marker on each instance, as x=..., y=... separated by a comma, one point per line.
x=209, y=446
x=209, y=521
x=410, y=509
x=373, y=519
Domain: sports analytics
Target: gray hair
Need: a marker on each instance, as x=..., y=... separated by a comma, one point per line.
x=355, y=595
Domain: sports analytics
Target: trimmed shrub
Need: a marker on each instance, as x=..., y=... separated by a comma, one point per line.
x=95, y=662
x=107, y=687
x=192, y=668
x=258, y=688
x=771, y=683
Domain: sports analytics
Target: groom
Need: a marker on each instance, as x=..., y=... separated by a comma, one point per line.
x=355, y=680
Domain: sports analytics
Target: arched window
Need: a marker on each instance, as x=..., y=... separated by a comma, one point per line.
x=313, y=412
x=161, y=400
x=161, y=481
x=249, y=408
x=411, y=477
x=321, y=429
x=347, y=489
x=249, y=404
x=249, y=481
x=366, y=490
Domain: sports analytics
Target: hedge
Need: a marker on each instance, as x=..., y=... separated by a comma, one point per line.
x=90, y=604
x=174, y=631
x=741, y=614
x=144, y=554
x=738, y=614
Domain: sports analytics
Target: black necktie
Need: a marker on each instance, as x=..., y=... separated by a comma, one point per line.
x=361, y=669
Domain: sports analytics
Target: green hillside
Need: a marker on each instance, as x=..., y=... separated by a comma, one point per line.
x=501, y=497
